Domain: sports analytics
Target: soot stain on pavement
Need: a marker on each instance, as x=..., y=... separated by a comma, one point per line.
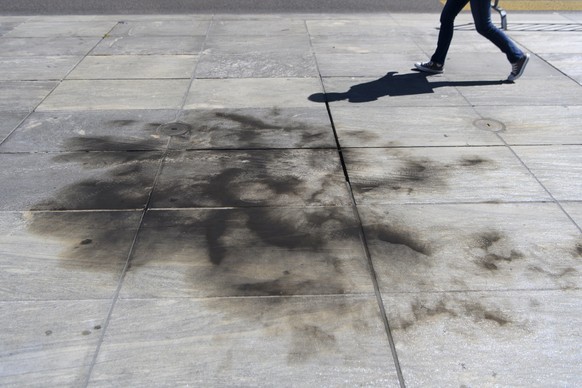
x=253, y=128
x=122, y=181
x=399, y=236
x=492, y=244
x=422, y=312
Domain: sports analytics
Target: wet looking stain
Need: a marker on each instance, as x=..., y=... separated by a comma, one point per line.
x=495, y=249
x=446, y=308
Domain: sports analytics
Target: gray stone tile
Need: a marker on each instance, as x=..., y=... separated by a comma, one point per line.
x=270, y=27
x=252, y=93
x=440, y=175
x=36, y=68
x=254, y=45
x=574, y=209
x=250, y=179
x=116, y=130
x=537, y=124
x=356, y=44
x=362, y=65
x=45, y=47
x=248, y=252
x=116, y=94
x=525, y=92
x=256, y=128
x=569, y=64
x=484, y=65
x=8, y=122
x=64, y=255
x=249, y=342
x=409, y=126
x=135, y=67
x=488, y=339
x=144, y=45
x=473, y=247
x=64, y=28
x=257, y=66
x=395, y=89
x=161, y=28
x=49, y=343
x=544, y=42
x=23, y=96
x=7, y=26
x=559, y=169
x=77, y=181
x=360, y=27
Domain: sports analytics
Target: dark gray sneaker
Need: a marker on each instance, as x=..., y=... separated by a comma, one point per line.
x=518, y=67
x=429, y=67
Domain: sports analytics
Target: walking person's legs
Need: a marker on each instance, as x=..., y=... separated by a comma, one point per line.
x=481, y=10
x=450, y=11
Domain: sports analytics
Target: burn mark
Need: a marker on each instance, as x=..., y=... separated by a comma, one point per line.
x=400, y=237
x=472, y=161
x=308, y=341
x=493, y=246
x=255, y=128
x=421, y=312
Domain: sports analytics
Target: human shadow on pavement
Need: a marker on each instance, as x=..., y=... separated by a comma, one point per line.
x=394, y=85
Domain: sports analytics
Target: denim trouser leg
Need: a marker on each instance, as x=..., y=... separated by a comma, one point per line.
x=450, y=12
x=481, y=10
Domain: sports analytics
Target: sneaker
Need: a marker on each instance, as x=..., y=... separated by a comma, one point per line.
x=518, y=67
x=429, y=67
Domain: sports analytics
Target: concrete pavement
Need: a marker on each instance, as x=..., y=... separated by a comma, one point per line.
x=279, y=200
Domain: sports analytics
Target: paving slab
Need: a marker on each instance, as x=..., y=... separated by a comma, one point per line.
x=249, y=341
x=470, y=339
x=248, y=252
x=265, y=92
x=256, y=66
x=64, y=255
x=574, y=209
x=472, y=247
x=355, y=44
x=526, y=92
x=361, y=27
x=439, y=175
x=266, y=27
x=362, y=65
x=8, y=122
x=550, y=42
x=46, y=47
x=24, y=96
x=251, y=178
x=77, y=181
x=144, y=45
x=161, y=28
x=117, y=94
x=409, y=127
x=36, y=68
x=135, y=67
x=255, y=128
x=569, y=64
x=6, y=27
x=49, y=343
x=557, y=167
x=537, y=124
x=116, y=130
x=267, y=45
x=65, y=28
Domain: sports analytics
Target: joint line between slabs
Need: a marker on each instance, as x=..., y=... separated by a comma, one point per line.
x=129, y=256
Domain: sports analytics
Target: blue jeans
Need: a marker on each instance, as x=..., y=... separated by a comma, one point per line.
x=481, y=10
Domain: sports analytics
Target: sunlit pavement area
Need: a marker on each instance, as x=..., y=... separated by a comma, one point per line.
x=279, y=200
